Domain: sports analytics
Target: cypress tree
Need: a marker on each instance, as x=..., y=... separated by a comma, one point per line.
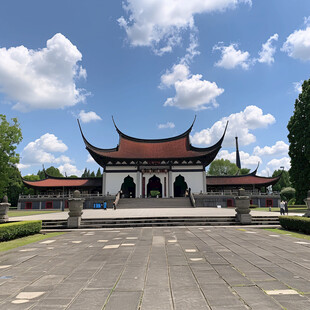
x=299, y=149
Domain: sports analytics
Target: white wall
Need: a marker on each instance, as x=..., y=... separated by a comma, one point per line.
x=194, y=179
x=115, y=180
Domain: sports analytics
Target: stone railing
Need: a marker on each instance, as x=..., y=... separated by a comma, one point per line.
x=235, y=193
x=61, y=196
x=192, y=199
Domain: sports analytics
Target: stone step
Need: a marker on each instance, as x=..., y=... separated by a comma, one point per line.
x=159, y=221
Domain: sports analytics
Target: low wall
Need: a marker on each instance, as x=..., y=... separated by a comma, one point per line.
x=224, y=201
x=58, y=203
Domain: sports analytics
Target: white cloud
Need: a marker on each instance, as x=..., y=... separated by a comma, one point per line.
x=22, y=166
x=43, y=78
x=298, y=86
x=69, y=169
x=231, y=57
x=246, y=159
x=40, y=151
x=275, y=164
x=297, y=44
x=159, y=23
x=280, y=148
x=167, y=125
x=194, y=93
x=179, y=72
x=191, y=91
x=267, y=51
x=90, y=159
x=240, y=124
x=87, y=117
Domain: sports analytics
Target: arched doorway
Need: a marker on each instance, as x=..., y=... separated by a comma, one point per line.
x=179, y=186
x=154, y=185
x=128, y=188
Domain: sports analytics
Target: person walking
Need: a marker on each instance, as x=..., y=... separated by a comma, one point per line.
x=114, y=205
x=104, y=205
x=282, y=208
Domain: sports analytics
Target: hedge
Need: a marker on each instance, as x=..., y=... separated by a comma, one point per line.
x=9, y=231
x=296, y=223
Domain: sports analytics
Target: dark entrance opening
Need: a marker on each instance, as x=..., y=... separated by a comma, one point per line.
x=153, y=186
x=128, y=188
x=179, y=186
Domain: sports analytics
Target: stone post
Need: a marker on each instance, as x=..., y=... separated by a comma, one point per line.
x=307, y=201
x=75, y=210
x=4, y=208
x=243, y=208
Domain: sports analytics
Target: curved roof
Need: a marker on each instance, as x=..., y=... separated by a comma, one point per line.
x=52, y=182
x=239, y=180
x=173, y=148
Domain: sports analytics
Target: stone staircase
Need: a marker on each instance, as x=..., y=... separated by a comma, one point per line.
x=145, y=203
x=160, y=221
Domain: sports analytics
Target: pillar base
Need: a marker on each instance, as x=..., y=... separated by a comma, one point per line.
x=244, y=218
x=74, y=222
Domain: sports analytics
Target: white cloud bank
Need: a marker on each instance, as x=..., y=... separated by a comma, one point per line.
x=43, y=78
x=245, y=158
x=69, y=169
x=40, y=151
x=280, y=148
x=159, y=23
x=87, y=117
x=232, y=57
x=298, y=86
x=297, y=44
x=167, y=125
x=240, y=124
x=192, y=92
x=276, y=164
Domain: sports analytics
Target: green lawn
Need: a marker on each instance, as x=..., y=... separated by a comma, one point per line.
x=277, y=210
x=287, y=232
x=25, y=213
x=8, y=245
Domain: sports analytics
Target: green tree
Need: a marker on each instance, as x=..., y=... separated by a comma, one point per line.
x=10, y=136
x=84, y=174
x=31, y=177
x=222, y=167
x=15, y=186
x=283, y=182
x=244, y=171
x=92, y=175
x=98, y=174
x=41, y=174
x=287, y=193
x=54, y=172
x=299, y=139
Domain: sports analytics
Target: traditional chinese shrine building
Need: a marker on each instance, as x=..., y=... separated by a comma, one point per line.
x=143, y=168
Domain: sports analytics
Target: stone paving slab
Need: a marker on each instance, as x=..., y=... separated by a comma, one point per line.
x=171, y=268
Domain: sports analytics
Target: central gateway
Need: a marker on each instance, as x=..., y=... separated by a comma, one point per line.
x=142, y=168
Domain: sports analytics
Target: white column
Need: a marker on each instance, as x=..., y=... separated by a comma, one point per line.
x=104, y=183
x=170, y=187
x=204, y=182
x=138, y=185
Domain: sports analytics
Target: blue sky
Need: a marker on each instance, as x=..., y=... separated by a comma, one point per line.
x=153, y=65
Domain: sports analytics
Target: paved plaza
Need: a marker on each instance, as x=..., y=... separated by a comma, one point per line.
x=159, y=268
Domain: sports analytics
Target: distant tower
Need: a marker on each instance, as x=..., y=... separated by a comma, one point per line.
x=238, y=162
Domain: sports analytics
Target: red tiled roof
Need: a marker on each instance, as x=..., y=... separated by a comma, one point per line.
x=64, y=182
x=241, y=180
x=170, y=148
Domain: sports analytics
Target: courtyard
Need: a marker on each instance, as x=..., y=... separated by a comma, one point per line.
x=159, y=268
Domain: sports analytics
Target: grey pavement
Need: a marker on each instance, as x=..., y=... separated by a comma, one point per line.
x=141, y=212
x=214, y=268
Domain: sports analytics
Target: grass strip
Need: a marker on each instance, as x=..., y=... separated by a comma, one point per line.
x=25, y=213
x=12, y=244
x=288, y=232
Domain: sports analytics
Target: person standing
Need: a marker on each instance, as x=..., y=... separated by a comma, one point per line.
x=114, y=205
x=286, y=207
x=104, y=205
